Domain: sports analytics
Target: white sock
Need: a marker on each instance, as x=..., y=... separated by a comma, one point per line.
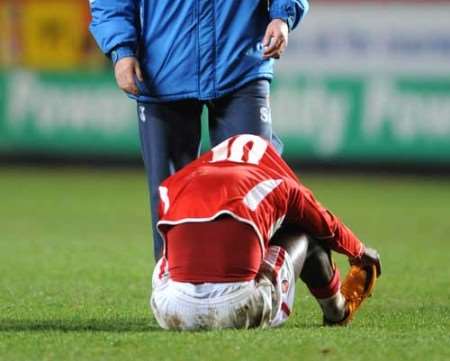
x=333, y=307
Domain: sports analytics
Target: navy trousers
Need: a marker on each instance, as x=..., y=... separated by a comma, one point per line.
x=170, y=133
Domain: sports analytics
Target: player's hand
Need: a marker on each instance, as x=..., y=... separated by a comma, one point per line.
x=126, y=71
x=276, y=39
x=369, y=257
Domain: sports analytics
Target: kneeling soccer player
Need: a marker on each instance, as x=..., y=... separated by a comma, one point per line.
x=233, y=222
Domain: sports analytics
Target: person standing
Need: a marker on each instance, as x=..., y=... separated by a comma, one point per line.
x=176, y=57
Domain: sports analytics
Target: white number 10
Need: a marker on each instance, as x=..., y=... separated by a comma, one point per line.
x=223, y=151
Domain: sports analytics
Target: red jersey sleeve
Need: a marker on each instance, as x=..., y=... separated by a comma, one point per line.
x=306, y=212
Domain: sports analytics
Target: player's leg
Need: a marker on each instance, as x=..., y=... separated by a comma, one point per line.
x=295, y=243
x=245, y=111
x=170, y=138
x=322, y=278
x=312, y=263
x=323, y=225
x=281, y=267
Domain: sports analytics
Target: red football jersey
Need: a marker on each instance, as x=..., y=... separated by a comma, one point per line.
x=245, y=178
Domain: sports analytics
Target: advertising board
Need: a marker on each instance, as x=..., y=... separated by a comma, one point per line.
x=361, y=81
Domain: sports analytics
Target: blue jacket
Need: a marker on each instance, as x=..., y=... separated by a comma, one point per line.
x=199, y=49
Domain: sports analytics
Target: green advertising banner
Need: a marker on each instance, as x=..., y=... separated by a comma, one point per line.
x=359, y=118
x=66, y=114
x=349, y=118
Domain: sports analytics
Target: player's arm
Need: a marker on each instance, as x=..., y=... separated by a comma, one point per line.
x=285, y=15
x=306, y=212
x=115, y=25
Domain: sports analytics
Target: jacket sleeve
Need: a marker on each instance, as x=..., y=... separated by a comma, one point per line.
x=115, y=25
x=292, y=11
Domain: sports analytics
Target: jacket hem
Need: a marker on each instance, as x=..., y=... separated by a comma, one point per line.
x=144, y=98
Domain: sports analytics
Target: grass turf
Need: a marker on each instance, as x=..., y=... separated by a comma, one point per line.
x=75, y=265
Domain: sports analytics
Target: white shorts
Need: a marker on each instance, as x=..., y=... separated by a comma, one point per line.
x=266, y=301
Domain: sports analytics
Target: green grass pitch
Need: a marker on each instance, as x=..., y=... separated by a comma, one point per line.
x=75, y=266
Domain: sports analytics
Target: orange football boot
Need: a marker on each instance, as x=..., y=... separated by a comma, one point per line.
x=357, y=286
